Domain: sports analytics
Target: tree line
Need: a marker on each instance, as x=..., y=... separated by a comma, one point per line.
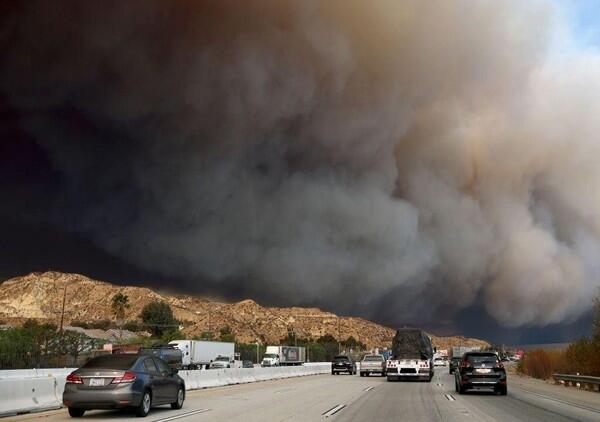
x=37, y=345
x=580, y=357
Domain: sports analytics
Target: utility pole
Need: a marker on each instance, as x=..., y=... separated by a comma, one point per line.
x=339, y=337
x=62, y=319
x=62, y=314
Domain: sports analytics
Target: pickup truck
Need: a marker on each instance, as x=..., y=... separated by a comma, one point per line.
x=372, y=364
x=225, y=362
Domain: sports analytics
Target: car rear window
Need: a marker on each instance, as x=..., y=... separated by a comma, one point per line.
x=341, y=359
x=111, y=362
x=477, y=359
x=373, y=359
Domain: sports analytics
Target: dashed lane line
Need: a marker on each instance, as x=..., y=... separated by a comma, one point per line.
x=182, y=415
x=334, y=410
x=450, y=397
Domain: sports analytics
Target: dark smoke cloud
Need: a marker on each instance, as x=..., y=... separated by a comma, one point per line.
x=404, y=159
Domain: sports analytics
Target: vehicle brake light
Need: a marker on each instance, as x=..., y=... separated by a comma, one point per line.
x=74, y=379
x=499, y=365
x=127, y=377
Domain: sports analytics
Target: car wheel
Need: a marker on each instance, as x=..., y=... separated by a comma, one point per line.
x=145, y=405
x=178, y=403
x=503, y=391
x=75, y=412
x=461, y=389
x=362, y=374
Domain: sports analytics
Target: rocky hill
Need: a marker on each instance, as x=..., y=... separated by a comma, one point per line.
x=40, y=295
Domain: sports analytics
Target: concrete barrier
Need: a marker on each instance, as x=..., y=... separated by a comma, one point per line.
x=220, y=377
x=32, y=373
x=30, y=390
x=28, y=394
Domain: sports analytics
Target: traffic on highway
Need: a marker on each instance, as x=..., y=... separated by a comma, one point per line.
x=300, y=210
x=353, y=398
x=416, y=382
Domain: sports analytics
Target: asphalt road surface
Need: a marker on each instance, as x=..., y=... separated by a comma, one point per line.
x=353, y=398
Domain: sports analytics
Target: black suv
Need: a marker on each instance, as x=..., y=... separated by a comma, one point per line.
x=478, y=370
x=343, y=363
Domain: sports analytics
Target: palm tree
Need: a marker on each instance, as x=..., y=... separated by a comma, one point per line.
x=120, y=303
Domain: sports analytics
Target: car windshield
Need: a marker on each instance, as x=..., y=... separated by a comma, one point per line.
x=111, y=362
x=373, y=359
x=270, y=355
x=222, y=359
x=485, y=359
x=341, y=359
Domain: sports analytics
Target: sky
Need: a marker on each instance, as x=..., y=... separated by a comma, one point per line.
x=425, y=164
x=582, y=16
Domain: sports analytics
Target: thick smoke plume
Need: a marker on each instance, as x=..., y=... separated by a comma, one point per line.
x=401, y=159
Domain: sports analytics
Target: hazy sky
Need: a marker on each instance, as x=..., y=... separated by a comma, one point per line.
x=423, y=163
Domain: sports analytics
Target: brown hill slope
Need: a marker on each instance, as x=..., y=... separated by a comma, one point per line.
x=39, y=295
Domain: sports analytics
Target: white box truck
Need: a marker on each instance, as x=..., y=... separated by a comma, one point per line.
x=284, y=355
x=198, y=354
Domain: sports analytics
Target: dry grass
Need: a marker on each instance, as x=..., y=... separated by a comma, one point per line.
x=581, y=357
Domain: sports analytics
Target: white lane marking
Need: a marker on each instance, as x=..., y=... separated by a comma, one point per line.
x=450, y=397
x=182, y=415
x=334, y=410
x=369, y=388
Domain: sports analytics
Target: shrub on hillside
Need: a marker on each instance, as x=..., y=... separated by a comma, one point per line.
x=541, y=363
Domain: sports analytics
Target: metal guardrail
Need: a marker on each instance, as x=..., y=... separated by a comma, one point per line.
x=581, y=381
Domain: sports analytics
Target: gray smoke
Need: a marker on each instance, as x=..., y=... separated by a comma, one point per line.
x=404, y=159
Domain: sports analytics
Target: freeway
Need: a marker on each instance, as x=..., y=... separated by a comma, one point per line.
x=353, y=398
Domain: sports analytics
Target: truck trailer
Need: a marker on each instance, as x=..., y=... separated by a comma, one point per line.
x=412, y=356
x=198, y=354
x=458, y=351
x=284, y=355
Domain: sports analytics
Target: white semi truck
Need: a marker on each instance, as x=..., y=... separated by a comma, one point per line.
x=198, y=354
x=284, y=355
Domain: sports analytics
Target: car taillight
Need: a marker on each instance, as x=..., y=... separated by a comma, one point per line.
x=127, y=377
x=74, y=379
x=499, y=365
x=464, y=364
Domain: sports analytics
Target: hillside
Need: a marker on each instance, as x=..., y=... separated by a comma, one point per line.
x=40, y=295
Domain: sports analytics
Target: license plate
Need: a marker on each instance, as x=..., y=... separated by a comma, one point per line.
x=483, y=371
x=96, y=382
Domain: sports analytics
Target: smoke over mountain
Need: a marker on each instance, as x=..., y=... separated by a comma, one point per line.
x=403, y=159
